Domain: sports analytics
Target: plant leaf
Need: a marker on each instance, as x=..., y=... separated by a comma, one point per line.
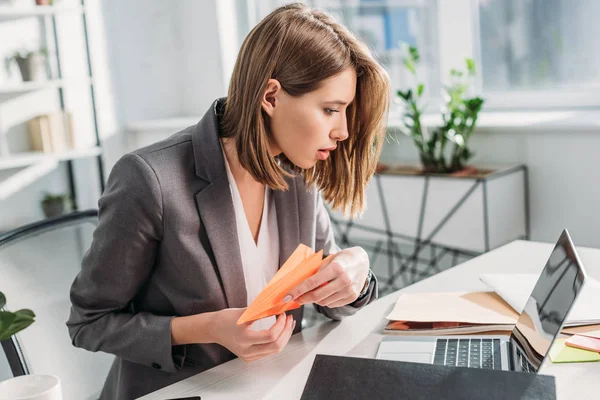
x=414, y=53
x=16, y=327
x=420, y=89
x=410, y=65
x=6, y=320
x=2, y=300
x=19, y=321
x=403, y=95
x=25, y=312
x=471, y=66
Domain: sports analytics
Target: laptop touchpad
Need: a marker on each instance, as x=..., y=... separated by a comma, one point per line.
x=410, y=357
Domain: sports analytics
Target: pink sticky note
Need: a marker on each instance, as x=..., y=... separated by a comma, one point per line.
x=584, y=343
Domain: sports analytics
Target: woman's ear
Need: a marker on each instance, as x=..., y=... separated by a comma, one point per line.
x=271, y=95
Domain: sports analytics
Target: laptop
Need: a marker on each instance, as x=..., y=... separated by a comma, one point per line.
x=536, y=329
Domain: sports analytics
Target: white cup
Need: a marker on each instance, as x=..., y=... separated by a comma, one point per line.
x=31, y=387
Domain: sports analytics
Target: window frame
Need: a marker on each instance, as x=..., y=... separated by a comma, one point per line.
x=458, y=37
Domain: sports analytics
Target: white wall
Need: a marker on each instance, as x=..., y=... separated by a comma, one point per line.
x=199, y=68
x=165, y=57
x=166, y=61
x=563, y=176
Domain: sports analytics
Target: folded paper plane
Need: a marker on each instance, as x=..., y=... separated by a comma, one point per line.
x=302, y=264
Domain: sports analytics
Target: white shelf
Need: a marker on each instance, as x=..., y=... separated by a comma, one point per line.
x=30, y=158
x=30, y=86
x=163, y=124
x=17, y=178
x=8, y=13
x=24, y=87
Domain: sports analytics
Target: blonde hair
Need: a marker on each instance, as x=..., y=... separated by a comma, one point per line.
x=300, y=47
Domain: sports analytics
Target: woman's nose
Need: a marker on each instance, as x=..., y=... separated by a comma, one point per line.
x=340, y=133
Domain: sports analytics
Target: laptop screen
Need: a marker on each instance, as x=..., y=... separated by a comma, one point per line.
x=547, y=307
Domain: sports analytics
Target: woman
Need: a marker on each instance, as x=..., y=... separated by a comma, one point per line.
x=192, y=228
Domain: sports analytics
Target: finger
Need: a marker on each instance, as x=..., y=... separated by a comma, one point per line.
x=267, y=335
x=343, y=302
x=324, y=275
x=275, y=347
x=342, y=284
x=334, y=298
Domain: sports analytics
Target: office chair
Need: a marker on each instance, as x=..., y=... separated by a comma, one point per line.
x=38, y=263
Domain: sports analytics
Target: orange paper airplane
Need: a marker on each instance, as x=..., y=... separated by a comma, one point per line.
x=302, y=264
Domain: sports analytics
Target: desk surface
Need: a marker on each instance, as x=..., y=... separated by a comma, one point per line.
x=283, y=376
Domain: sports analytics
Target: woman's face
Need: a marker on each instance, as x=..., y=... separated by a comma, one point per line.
x=306, y=128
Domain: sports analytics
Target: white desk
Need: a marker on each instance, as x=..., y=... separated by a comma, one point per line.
x=283, y=376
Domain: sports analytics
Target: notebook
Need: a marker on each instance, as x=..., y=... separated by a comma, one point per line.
x=515, y=290
x=335, y=377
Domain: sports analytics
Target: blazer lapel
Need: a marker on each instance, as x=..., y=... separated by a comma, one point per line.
x=218, y=217
x=288, y=220
x=215, y=207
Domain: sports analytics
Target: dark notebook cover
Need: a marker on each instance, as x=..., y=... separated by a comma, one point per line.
x=334, y=377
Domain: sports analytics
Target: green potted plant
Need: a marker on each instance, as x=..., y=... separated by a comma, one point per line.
x=13, y=322
x=445, y=149
x=32, y=64
x=53, y=205
x=31, y=386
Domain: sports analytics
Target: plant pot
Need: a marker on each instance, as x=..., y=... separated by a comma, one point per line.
x=53, y=208
x=31, y=387
x=44, y=2
x=32, y=67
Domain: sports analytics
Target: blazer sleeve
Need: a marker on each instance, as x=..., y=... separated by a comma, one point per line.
x=326, y=241
x=115, y=269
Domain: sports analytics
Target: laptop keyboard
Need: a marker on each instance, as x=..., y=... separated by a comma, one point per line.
x=475, y=353
x=525, y=365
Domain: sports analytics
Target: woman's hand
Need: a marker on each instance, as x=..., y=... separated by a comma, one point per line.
x=247, y=344
x=337, y=283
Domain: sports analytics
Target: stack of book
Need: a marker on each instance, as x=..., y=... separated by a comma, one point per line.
x=450, y=313
x=51, y=133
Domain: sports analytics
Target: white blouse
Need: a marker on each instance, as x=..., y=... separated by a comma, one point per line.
x=260, y=260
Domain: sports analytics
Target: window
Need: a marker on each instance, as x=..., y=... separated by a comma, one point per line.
x=530, y=54
x=388, y=27
x=548, y=47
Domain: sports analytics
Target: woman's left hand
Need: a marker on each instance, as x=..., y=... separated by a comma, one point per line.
x=345, y=275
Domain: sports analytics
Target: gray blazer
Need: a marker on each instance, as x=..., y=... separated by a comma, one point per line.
x=166, y=245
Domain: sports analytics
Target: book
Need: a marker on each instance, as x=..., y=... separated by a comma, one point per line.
x=59, y=122
x=592, y=331
x=39, y=134
x=302, y=264
x=406, y=328
x=51, y=132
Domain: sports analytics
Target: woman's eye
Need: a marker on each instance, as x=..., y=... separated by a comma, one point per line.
x=330, y=111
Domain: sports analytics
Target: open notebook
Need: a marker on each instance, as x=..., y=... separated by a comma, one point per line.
x=302, y=264
x=516, y=288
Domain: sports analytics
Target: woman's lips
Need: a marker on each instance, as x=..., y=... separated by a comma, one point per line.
x=323, y=154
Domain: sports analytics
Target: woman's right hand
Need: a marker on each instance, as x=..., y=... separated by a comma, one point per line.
x=247, y=344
